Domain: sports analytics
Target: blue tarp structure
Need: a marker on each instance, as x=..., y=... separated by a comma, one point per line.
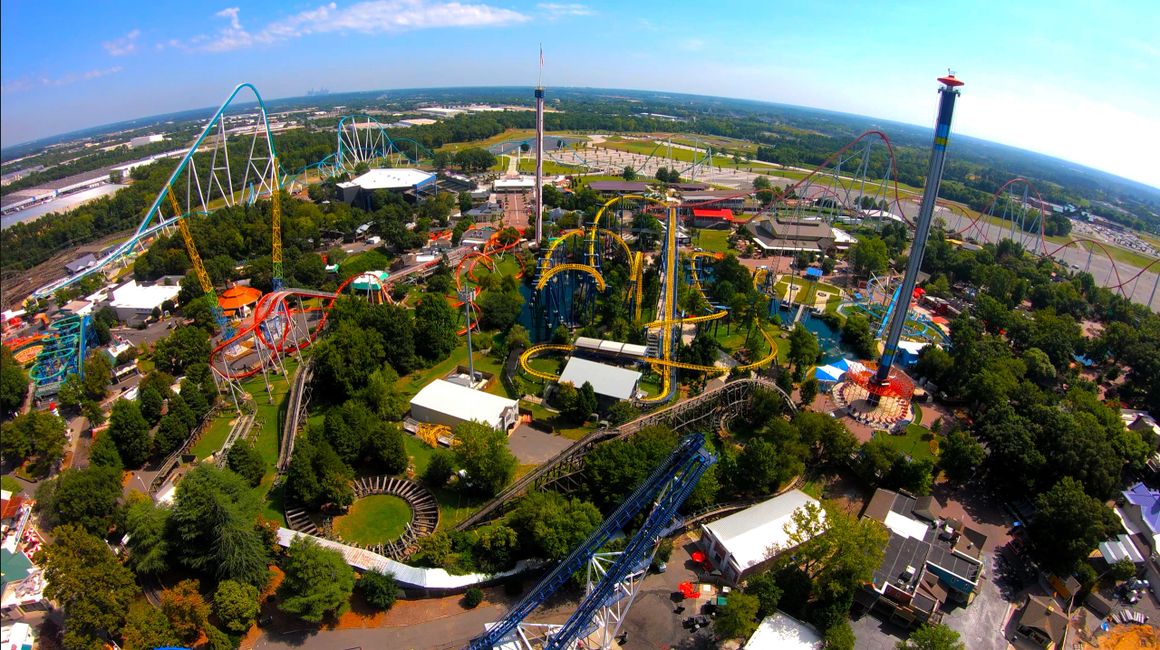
x=814, y=273
x=828, y=373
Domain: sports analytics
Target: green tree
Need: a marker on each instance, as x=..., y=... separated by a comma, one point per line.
x=960, y=455
x=37, y=436
x=737, y=619
x=1068, y=524
x=868, y=256
x=803, y=348
x=214, y=527
x=13, y=382
x=186, y=609
x=439, y=468
x=379, y=589
x=765, y=589
x=838, y=561
x=932, y=637
x=435, y=329
x=613, y=470
x=808, y=391
x=104, y=453
x=622, y=412
x=146, y=525
x=472, y=597
x=317, y=475
x=552, y=524
x=585, y=403
x=172, y=432
x=146, y=628
x=500, y=309
x=628, y=174
x=86, y=498
x=98, y=374
x=856, y=333
x=236, y=605
x=151, y=404
x=184, y=347
x=318, y=582
x=245, y=460
x=483, y=452
x=93, y=589
x=1122, y=569
x=130, y=432
x=381, y=395
x=840, y=636
x=346, y=358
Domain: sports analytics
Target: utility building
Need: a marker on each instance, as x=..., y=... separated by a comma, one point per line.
x=740, y=544
x=610, y=383
x=447, y=403
x=410, y=182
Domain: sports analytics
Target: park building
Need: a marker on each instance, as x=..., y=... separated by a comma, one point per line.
x=448, y=403
x=780, y=236
x=610, y=189
x=610, y=383
x=411, y=183
x=715, y=199
x=136, y=303
x=780, y=631
x=929, y=560
x=514, y=185
x=740, y=545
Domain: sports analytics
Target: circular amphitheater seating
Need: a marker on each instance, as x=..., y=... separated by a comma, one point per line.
x=424, y=514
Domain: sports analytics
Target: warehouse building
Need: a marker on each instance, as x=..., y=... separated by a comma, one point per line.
x=135, y=303
x=740, y=544
x=412, y=183
x=610, y=383
x=447, y=403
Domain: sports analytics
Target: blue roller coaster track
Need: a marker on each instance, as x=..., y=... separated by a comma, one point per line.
x=63, y=354
x=667, y=488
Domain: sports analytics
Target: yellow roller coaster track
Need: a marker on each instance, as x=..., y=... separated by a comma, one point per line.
x=526, y=357
x=638, y=279
x=583, y=268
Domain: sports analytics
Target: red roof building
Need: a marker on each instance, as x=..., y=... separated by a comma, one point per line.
x=710, y=217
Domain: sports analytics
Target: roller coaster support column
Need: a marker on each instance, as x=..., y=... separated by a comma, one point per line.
x=942, y=130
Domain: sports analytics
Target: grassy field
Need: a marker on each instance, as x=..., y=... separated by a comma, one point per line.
x=374, y=519
x=11, y=484
x=528, y=166
x=808, y=291
x=913, y=442
x=714, y=241
x=214, y=435
x=372, y=260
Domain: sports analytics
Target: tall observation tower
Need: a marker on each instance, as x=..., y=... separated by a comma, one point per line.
x=880, y=394
x=539, y=189
x=880, y=383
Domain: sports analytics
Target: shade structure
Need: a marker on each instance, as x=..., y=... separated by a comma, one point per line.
x=828, y=373
x=238, y=296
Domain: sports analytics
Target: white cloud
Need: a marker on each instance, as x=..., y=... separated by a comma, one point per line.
x=127, y=44
x=28, y=83
x=557, y=10
x=370, y=17
x=692, y=45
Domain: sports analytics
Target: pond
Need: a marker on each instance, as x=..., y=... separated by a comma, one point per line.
x=829, y=338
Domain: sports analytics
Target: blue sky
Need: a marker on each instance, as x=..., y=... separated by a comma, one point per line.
x=1076, y=80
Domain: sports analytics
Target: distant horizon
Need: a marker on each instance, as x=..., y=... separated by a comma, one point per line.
x=1058, y=77
x=108, y=126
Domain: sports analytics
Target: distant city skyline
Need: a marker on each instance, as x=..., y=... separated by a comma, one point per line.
x=1067, y=79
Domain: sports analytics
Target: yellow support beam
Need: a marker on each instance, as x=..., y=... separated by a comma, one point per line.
x=191, y=248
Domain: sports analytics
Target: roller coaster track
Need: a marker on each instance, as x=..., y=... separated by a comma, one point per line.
x=295, y=412
x=560, y=268
x=563, y=471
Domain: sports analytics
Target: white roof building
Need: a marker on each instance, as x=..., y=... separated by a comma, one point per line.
x=783, y=632
x=396, y=178
x=607, y=381
x=739, y=543
x=881, y=214
x=515, y=184
x=135, y=302
x=444, y=402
